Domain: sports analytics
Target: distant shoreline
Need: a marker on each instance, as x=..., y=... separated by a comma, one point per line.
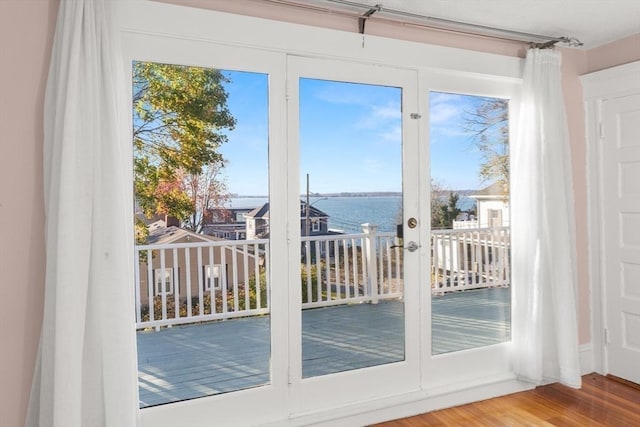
x=357, y=194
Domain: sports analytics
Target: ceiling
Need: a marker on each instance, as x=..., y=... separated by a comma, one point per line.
x=593, y=22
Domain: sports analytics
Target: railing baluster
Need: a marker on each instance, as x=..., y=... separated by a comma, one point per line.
x=187, y=261
x=336, y=260
x=355, y=266
x=224, y=287
x=256, y=275
x=399, y=275
x=507, y=255
x=389, y=264
x=468, y=277
x=347, y=272
x=267, y=263
x=176, y=284
x=318, y=266
x=201, y=280
x=150, y=284
x=209, y=276
x=234, y=264
x=327, y=263
x=308, y=275
x=163, y=284
x=136, y=269
x=245, y=278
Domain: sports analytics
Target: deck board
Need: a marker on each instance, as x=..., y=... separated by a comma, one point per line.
x=192, y=361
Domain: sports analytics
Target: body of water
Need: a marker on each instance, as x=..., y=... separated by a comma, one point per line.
x=347, y=213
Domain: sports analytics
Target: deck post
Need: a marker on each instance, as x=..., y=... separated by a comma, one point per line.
x=370, y=254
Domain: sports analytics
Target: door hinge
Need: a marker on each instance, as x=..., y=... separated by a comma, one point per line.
x=606, y=336
x=600, y=131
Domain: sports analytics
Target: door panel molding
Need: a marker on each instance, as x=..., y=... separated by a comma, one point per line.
x=599, y=88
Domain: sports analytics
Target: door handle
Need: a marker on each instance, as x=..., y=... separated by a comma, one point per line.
x=412, y=246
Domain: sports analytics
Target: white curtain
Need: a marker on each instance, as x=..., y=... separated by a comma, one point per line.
x=545, y=326
x=85, y=372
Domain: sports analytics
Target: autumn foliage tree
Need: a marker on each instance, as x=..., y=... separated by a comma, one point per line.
x=204, y=190
x=179, y=114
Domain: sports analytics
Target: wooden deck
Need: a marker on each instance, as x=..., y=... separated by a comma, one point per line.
x=187, y=362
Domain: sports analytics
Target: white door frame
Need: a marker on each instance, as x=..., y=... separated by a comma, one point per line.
x=437, y=371
x=399, y=377
x=598, y=86
x=193, y=32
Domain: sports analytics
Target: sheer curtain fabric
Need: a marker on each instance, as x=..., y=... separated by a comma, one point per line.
x=545, y=326
x=85, y=372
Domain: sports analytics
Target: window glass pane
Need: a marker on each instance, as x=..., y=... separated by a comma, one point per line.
x=201, y=188
x=470, y=238
x=350, y=266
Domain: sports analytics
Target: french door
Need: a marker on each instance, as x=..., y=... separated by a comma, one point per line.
x=324, y=298
x=354, y=272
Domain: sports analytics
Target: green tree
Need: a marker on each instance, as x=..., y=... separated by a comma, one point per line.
x=489, y=126
x=450, y=210
x=438, y=205
x=444, y=206
x=179, y=113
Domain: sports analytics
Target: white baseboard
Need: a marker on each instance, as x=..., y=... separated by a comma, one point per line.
x=587, y=361
x=406, y=405
x=361, y=414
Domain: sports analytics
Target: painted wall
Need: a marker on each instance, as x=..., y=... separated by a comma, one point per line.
x=609, y=55
x=26, y=31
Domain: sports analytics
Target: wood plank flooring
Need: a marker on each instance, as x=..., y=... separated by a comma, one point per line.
x=602, y=401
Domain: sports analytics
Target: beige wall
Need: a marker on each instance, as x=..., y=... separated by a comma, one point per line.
x=609, y=55
x=26, y=32
x=26, y=28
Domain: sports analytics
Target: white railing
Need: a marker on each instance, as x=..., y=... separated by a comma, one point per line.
x=350, y=268
x=193, y=282
x=470, y=259
x=183, y=283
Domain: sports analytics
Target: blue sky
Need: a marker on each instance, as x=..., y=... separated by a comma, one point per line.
x=454, y=158
x=350, y=137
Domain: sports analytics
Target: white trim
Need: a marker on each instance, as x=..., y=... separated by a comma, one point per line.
x=213, y=273
x=409, y=404
x=586, y=359
x=599, y=86
x=295, y=39
x=158, y=281
x=202, y=38
x=612, y=82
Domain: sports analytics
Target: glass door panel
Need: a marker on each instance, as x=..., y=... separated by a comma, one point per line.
x=200, y=138
x=351, y=267
x=470, y=243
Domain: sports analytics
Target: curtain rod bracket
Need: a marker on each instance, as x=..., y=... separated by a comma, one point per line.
x=363, y=19
x=569, y=41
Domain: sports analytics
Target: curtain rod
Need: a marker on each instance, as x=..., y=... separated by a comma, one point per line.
x=536, y=40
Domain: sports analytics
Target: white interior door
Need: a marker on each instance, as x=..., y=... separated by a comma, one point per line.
x=620, y=187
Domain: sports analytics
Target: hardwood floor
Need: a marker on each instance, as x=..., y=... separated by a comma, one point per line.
x=602, y=401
